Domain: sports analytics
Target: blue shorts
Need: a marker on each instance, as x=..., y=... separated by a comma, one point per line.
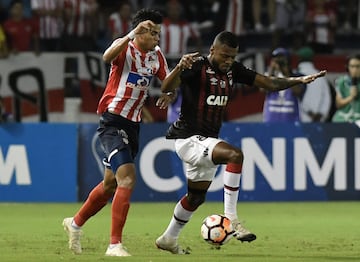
x=117, y=132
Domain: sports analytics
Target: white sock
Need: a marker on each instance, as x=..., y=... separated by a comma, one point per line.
x=231, y=194
x=114, y=245
x=74, y=225
x=178, y=221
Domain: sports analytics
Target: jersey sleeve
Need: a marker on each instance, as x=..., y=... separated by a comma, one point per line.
x=242, y=74
x=120, y=58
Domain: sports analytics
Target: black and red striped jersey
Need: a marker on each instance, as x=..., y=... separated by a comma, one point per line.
x=205, y=95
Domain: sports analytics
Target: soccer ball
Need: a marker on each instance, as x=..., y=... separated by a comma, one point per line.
x=217, y=230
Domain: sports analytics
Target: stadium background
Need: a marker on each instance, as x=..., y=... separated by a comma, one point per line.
x=61, y=150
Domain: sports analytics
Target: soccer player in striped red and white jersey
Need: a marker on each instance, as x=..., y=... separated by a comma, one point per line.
x=135, y=59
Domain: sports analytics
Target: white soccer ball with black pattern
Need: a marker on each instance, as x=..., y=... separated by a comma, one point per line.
x=217, y=230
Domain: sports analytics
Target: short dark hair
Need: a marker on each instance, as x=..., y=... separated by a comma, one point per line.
x=227, y=38
x=353, y=56
x=147, y=14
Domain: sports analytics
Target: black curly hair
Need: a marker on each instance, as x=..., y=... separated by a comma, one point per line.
x=227, y=38
x=147, y=14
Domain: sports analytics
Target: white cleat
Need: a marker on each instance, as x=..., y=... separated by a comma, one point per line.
x=241, y=233
x=171, y=245
x=117, y=250
x=73, y=234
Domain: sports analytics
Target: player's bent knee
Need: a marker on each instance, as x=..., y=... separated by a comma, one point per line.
x=110, y=186
x=236, y=156
x=127, y=180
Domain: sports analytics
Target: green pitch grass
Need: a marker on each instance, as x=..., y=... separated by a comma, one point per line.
x=314, y=231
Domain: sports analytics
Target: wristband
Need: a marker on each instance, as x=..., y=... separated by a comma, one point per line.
x=131, y=35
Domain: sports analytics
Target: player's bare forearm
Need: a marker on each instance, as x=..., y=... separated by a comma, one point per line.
x=276, y=83
x=172, y=81
x=284, y=83
x=115, y=49
x=120, y=44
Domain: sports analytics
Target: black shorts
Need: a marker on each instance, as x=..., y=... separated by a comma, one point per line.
x=117, y=132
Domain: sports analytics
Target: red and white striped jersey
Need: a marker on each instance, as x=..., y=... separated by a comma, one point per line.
x=49, y=26
x=129, y=80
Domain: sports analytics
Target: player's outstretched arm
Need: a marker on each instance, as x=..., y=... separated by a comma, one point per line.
x=172, y=80
x=309, y=78
x=120, y=44
x=277, y=83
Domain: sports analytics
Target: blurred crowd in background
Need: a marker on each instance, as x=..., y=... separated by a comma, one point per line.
x=321, y=26
x=90, y=25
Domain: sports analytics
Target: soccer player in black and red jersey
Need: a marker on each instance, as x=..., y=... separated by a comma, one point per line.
x=206, y=85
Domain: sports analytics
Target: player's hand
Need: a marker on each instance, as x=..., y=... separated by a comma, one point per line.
x=310, y=78
x=187, y=60
x=165, y=100
x=144, y=27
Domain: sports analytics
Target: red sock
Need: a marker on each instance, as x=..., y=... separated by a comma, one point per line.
x=185, y=204
x=96, y=200
x=119, y=210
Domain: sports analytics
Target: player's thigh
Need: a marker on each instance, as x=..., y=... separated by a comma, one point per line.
x=198, y=173
x=196, y=150
x=115, y=132
x=224, y=153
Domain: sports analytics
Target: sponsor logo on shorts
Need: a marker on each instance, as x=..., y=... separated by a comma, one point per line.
x=124, y=135
x=201, y=138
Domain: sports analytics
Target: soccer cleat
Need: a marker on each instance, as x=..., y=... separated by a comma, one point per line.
x=117, y=250
x=171, y=245
x=241, y=233
x=73, y=234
